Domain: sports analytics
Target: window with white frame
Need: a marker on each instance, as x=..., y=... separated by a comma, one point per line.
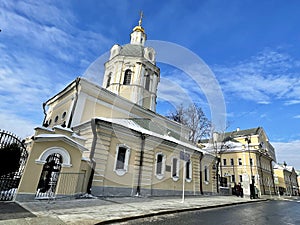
x=206, y=172
x=224, y=162
x=240, y=162
x=121, y=159
x=188, y=170
x=232, y=178
x=241, y=178
x=175, y=169
x=160, y=165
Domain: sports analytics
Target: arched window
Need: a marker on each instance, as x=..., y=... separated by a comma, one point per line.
x=188, y=171
x=175, y=169
x=147, y=83
x=206, y=177
x=108, y=80
x=160, y=165
x=127, y=77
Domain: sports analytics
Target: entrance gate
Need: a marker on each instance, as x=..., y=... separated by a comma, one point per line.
x=49, y=177
x=13, y=156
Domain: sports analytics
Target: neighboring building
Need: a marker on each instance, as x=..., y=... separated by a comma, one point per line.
x=286, y=179
x=109, y=141
x=298, y=179
x=245, y=157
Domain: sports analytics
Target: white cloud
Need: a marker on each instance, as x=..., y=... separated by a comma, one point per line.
x=297, y=117
x=178, y=88
x=45, y=28
x=289, y=152
x=19, y=126
x=39, y=43
x=267, y=76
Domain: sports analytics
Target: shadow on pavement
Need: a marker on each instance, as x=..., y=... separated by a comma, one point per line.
x=12, y=210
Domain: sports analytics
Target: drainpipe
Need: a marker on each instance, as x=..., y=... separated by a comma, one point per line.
x=45, y=113
x=272, y=173
x=93, y=125
x=201, y=177
x=291, y=185
x=217, y=174
x=75, y=102
x=138, y=188
x=262, y=174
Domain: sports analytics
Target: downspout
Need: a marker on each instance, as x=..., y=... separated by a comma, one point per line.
x=201, y=177
x=138, y=188
x=93, y=163
x=45, y=113
x=272, y=173
x=291, y=185
x=262, y=174
x=75, y=102
x=217, y=173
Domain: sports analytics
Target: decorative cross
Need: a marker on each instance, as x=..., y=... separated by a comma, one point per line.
x=141, y=18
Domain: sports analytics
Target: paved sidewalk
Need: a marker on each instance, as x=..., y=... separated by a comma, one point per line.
x=108, y=210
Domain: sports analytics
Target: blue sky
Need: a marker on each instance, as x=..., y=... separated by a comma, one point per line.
x=252, y=47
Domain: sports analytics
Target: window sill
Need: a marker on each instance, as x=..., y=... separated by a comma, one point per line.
x=120, y=172
x=188, y=180
x=175, y=178
x=159, y=176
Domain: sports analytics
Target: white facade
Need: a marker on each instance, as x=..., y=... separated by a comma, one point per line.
x=131, y=71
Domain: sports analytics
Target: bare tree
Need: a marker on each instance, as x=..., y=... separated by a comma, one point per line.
x=194, y=118
x=178, y=114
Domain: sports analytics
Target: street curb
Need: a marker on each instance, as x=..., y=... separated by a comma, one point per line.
x=172, y=211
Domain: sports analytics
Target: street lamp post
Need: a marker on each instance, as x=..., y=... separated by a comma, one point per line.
x=252, y=191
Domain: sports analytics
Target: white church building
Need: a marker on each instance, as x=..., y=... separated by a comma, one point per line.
x=109, y=140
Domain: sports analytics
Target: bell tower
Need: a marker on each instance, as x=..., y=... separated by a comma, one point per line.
x=131, y=70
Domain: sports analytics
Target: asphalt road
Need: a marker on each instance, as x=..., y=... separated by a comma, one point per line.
x=261, y=213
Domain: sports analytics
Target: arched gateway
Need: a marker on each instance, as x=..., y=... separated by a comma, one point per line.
x=49, y=176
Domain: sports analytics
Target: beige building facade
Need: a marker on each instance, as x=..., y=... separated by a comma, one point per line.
x=286, y=180
x=109, y=141
x=244, y=157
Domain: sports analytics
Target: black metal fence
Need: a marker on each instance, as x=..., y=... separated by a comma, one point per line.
x=10, y=175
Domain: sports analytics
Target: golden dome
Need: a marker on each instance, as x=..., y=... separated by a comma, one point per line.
x=139, y=28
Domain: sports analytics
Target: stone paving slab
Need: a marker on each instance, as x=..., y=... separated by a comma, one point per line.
x=108, y=210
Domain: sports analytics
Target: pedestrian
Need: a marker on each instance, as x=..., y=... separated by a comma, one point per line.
x=242, y=192
x=238, y=188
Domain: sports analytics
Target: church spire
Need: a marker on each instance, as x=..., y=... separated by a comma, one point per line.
x=138, y=35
